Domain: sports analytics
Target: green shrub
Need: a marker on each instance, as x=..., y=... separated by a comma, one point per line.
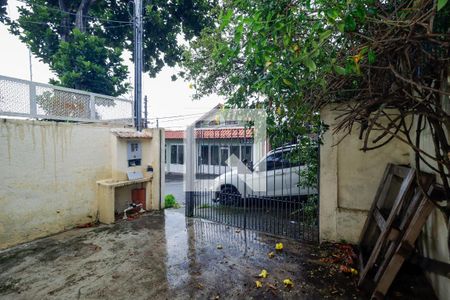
x=169, y=201
x=310, y=210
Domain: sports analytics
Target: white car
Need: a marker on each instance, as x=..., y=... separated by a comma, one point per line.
x=274, y=176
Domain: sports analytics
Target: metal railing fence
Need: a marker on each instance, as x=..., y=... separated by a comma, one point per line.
x=28, y=99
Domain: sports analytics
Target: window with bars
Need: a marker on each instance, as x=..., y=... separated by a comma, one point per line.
x=204, y=155
x=177, y=154
x=214, y=155
x=246, y=153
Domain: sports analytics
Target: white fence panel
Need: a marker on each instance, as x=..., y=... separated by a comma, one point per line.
x=29, y=99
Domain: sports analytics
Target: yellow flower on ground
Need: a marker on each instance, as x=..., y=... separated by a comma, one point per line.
x=279, y=246
x=258, y=284
x=288, y=283
x=263, y=274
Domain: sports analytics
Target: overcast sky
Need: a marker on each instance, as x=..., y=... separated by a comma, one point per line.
x=166, y=97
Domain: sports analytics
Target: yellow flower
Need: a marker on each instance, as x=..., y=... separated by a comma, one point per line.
x=258, y=284
x=279, y=246
x=288, y=283
x=263, y=274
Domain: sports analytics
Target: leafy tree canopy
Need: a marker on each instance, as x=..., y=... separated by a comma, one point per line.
x=271, y=54
x=68, y=35
x=385, y=62
x=3, y=6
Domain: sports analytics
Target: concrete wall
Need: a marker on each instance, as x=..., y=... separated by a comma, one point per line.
x=433, y=239
x=48, y=174
x=348, y=182
x=349, y=179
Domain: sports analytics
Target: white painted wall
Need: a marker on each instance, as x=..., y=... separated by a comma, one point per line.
x=48, y=174
x=348, y=182
x=349, y=179
x=433, y=239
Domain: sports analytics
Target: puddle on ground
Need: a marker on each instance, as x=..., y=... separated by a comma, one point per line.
x=163, y=255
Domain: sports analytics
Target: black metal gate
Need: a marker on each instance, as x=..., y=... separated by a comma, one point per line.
x=228, y=186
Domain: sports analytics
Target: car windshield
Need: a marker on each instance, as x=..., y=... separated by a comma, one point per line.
x=283, y=158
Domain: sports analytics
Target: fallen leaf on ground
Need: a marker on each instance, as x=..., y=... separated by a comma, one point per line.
x=271, y=254
x=271, y=286
x=288, y=283
x=263, y=274
x=279, y=246
x=258, y=284
x=345, y=269
x=200, y=286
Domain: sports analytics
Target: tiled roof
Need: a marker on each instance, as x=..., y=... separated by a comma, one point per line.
x=174, y=134
x=222, y=133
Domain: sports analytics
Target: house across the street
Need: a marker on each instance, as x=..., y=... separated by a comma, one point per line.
x=216, y=146
x=216, y=140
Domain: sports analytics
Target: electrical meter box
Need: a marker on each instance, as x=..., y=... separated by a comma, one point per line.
x=134, y=153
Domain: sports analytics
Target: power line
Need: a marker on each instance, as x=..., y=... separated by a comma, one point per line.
x=70, y=27
x=74, y=14
x=175, y=120
x=176, y=116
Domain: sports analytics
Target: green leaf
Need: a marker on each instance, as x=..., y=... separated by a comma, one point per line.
x=341, y=27
x=310, y=64
x=360, y=14
x=325, y=35
x=441, y=4
x=226, y=18
x=340, y=70
x=332, y=13
x=350, y=24
x=323, y=83
x=371, y=56
x=287, y=82
x=238, y=33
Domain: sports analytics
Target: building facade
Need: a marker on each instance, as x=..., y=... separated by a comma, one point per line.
x=213, y=148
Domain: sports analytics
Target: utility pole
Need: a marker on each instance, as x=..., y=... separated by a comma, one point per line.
x=138, y=33
x=145, y=112
x=157, y=123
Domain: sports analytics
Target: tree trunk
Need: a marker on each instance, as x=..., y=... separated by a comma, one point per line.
x=65, y=22
x=80, y=20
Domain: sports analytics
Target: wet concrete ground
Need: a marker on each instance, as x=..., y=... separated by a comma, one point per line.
x=162, y=255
